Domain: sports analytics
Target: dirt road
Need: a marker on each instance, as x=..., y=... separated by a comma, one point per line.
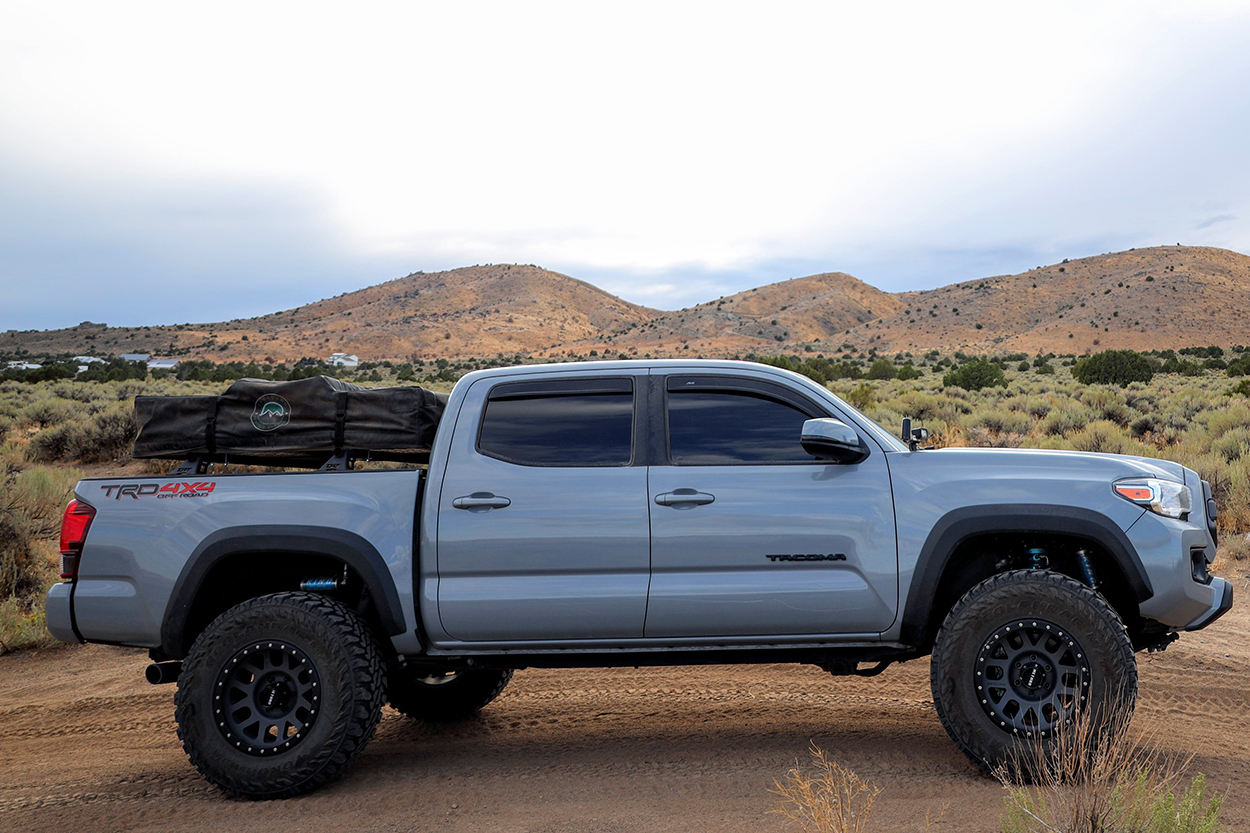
x=86, y=745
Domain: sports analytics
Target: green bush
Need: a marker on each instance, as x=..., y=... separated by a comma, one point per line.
x=1113, y=367
x=975, y=375
x=908, y=372
x=1239, y=367
x=882, y=369
x=862, y=396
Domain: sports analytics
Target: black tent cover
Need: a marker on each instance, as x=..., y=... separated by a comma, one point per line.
x=318, y=414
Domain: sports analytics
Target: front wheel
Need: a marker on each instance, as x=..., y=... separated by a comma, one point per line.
x=1020, y=657
x=279, y=694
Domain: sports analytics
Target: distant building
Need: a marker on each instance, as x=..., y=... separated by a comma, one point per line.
x=162, y=364
x=86, y=359
x=136, y=357
x=23, y=366
x=344, y=360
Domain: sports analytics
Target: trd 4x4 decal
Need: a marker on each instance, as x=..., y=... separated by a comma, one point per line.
x=138, y=490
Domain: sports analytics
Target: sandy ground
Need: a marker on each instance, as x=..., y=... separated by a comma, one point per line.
x=87, y=745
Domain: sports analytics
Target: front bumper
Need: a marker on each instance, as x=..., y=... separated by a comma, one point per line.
x=1224, y=601
x=58, y=613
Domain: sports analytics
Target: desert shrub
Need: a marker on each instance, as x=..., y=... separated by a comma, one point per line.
x=1105, y=437
x=6, y=425
x=861, y=396
x=1182, y=366
x=975, y=376
x=22, y=625
x=908, y=372
x=882, y=369
x=832, y=800
x=1219, y=423
x=999, y=421
x=1239, y=367
x=108, y=435
x=1113, y=367
x=925, y=407
x=1107, y=404
x=1038, y=406
x=1101, y=779
x=1064, y=420
x=1242, y=388
x=30, y=515
x=47, y=412
x=1233, y=445
x=1145, y=424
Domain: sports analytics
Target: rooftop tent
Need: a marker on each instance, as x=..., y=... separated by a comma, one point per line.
x=314, y=415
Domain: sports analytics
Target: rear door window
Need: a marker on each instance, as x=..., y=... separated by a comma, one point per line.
x=567, y=423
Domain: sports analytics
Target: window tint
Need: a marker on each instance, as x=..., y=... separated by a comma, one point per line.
x=711, y=428
x=577, y=429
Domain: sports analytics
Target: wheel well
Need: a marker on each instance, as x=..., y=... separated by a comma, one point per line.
x=247, y=575
x=978, y=557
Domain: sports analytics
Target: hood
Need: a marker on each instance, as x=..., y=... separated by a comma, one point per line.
x=1114, y=466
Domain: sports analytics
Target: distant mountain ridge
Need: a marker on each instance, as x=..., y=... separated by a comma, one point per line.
x=1166, y=296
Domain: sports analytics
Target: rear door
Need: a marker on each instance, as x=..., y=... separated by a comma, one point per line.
x=750, y=536
x=543, y=524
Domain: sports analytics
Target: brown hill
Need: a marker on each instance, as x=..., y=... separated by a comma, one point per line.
x=1142, y=299
x=762, y=320
x=1174, y=296
x=474, y=311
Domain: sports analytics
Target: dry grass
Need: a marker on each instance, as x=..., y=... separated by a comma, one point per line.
x=1102, y=777
x=831, y=799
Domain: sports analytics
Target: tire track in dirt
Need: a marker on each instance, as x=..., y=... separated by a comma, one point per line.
x=85, y=744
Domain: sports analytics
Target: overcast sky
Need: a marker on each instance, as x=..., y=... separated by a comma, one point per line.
x=173, y=162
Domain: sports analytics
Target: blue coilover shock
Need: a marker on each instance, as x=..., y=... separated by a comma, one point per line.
x=1087, y=568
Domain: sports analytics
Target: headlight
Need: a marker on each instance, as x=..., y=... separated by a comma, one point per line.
x=1163, y=497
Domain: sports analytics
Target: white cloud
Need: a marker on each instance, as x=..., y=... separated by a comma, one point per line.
x=660, y=139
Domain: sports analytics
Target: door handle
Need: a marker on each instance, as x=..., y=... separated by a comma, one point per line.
x=683, y=498
x=481, y=502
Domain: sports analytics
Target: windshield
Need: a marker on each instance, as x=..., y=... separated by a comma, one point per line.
x=891, y=442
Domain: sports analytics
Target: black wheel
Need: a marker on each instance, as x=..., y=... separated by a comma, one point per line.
x=437, y=695
x=278, y=694
x=1020, y=657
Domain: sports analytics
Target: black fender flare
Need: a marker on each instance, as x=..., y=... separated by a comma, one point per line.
x=959, y=525
x=348, y=547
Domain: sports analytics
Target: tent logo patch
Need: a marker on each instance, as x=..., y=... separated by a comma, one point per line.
x=270, y=412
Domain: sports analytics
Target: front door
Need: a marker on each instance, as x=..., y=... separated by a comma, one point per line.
x=750, y=536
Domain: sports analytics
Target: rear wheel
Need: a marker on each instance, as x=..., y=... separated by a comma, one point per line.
x=278, y=694
x=445, y=694
x=1020, y=657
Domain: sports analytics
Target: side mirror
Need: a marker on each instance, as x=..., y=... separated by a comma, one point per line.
x=833, y=439
x=913, y=436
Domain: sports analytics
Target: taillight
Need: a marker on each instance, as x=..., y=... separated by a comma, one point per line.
x=74, y=526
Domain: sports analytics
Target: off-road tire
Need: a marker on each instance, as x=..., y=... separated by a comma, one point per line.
x=1026, y=605
x=454, y=697
x=319, y=660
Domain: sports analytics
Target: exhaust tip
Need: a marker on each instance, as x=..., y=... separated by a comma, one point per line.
x=159, y=673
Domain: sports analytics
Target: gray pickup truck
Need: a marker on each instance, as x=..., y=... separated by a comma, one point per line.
x=624, y=514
